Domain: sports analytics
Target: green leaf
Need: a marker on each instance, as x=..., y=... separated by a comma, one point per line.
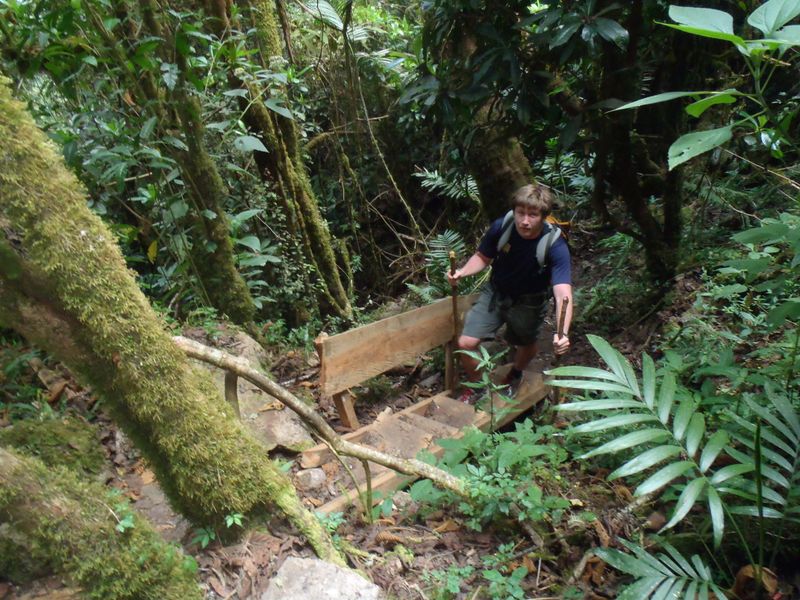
x=772, y=420
x=693, y=144
x=582, y=384
x=773, y=15
x=326, y=13
x=782, y=404
x=707, y=19
x=788, y=35
x=648, y=381
x=611, y=31
x=251, y=242
x=666, y=396
x=665, y=97
x=585, y=372
x=696, y=109
x=717, y=513
x=752, y=511
x=606, y=404
x=766, y=233
x=681, y=561
x=629, y=440
x=563, y=34
x=148, y=127
x=169, y=73
x=610, y=356
x=275, y=105
x=641, y=588
x=730, y=471
x=694, y=433
x=712, y=449
x=615, y=421
x=686, y=501
x=249, y=143
x=789, y=310
x=645, y=460
x=662, y=477
x=627, y=563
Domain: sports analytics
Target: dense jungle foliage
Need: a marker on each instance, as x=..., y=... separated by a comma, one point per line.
x=294, y=167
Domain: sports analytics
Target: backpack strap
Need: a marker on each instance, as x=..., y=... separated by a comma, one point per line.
x=544, y=245
x=552, y=233
x=505, y=230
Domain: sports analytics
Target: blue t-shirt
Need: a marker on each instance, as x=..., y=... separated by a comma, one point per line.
x=515, y=270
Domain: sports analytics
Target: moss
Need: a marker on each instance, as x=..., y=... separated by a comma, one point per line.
x=79, y=301
x=55, y=522
x=67, y=442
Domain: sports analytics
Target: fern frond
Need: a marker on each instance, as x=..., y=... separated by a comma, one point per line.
x=671, y=441
x=664, y=575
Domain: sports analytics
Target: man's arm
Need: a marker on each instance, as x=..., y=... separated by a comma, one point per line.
x=476, y=263
x=562, y=291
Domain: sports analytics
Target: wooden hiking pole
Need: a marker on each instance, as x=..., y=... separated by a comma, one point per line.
x=450, y=359
x=557, y=359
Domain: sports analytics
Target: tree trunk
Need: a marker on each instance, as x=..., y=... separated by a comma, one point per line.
x=283, y=164
x=497, y=163
x=64, y=285
x=58, y=524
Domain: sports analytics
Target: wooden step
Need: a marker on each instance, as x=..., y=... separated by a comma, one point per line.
x=319, y=454
x=437, y=409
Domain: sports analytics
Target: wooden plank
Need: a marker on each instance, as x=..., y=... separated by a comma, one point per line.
x=531, y=391
x=354, y=356
x=346, y=410
x=313, y=457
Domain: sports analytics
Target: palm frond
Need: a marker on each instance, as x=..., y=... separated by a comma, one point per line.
x=668, y=429
x=664, y=575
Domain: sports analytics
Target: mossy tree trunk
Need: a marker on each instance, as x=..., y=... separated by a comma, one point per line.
x=55, y=523
x=283, y=165
x=64, y=286
x=496, y=162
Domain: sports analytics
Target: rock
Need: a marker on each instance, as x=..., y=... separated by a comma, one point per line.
x=311, y=578
x=431, y=381
x=310, y=479
x=273, y=428
x=403, y=501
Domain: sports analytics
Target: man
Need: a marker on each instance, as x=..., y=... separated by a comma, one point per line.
x=518, y=290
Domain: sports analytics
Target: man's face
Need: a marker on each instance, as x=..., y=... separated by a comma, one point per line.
x=529, y=221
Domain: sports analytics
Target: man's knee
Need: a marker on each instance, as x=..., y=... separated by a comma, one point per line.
x=466, y=342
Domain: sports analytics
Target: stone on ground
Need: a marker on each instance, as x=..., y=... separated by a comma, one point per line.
x=311, y=578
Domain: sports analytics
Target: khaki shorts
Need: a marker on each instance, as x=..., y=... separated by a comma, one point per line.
x=523, y=316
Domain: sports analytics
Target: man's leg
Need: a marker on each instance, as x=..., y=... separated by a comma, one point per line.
x=524, y=355
x=468, y=364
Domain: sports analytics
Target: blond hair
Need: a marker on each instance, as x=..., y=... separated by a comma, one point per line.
x=534, y=195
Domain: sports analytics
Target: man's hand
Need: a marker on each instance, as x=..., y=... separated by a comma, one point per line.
x=560, y=344
x=454, y=277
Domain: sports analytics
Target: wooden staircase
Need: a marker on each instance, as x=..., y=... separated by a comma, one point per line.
x=417, y=428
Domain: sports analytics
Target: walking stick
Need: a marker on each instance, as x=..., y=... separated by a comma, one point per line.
x=557, y=359
x=450, y=367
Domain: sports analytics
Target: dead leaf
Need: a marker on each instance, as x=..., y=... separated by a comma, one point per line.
x=387, y=537
x=218, y=587
x=655, y=521
x=448, y=525
x=744, y=586
x=528, y=563
x=307, y=384
x=274, y=405
x=56, y=391
x=576, y=502
x=147, y=476
x=128, y=98
x=595, y=571
x=602, y=534
x=315, y=502
x=623, y=493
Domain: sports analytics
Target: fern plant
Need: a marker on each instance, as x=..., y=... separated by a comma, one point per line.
x=672, y=433
x=665, y=575
x=437, y=263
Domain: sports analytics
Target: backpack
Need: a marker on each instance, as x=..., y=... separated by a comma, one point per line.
x=552, y=233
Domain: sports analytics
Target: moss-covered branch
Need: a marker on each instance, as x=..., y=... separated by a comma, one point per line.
x=53, y=522
x=67, y=289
